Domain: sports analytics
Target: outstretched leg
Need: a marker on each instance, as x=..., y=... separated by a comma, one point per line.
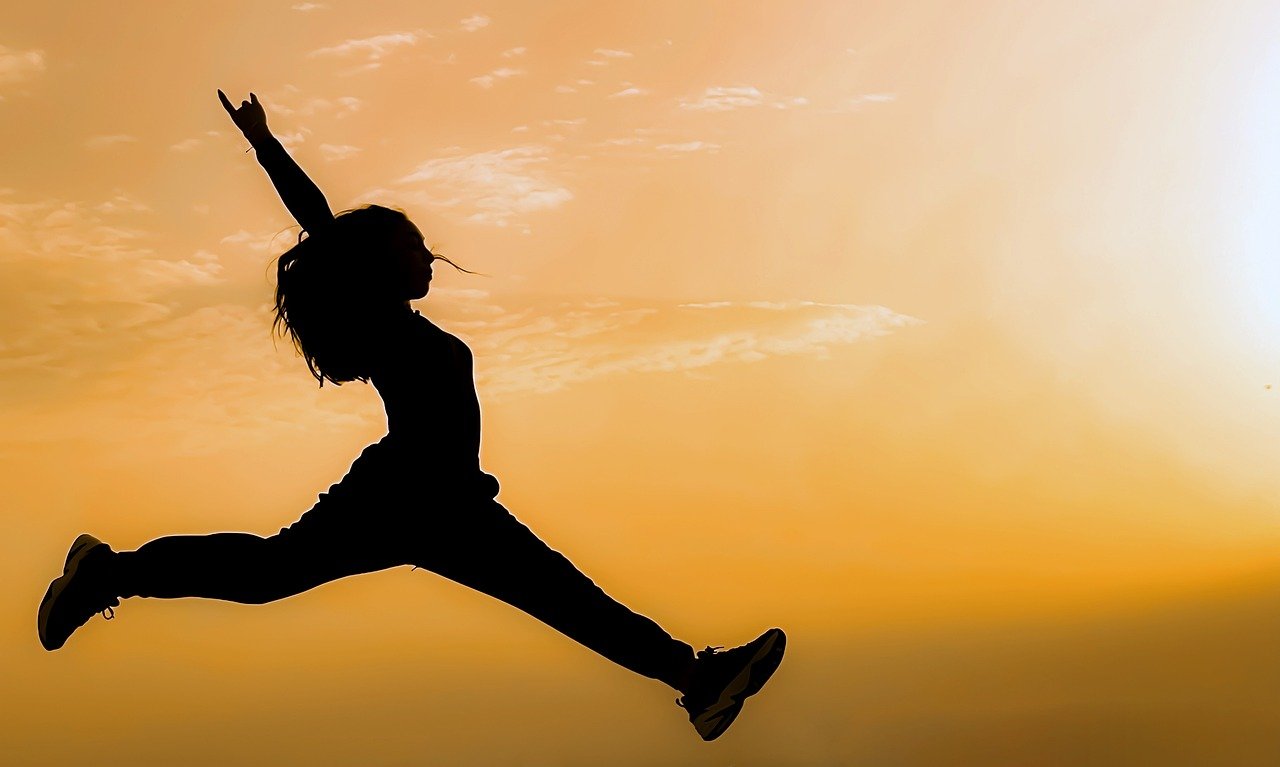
x=239, y=567
x=343, y=534
x=487, y=549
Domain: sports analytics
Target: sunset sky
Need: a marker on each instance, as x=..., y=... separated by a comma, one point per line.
x=945, y=335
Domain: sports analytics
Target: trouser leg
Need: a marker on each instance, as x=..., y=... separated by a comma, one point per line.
x=333, y=540
x=237, y=567
x=489, y=550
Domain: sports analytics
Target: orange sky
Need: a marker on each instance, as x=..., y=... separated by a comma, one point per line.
x=889, y=323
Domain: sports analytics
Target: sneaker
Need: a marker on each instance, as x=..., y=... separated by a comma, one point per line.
x=723, y=679
x=75, y=597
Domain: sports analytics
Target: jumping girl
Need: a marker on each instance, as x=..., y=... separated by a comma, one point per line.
x=342, y=295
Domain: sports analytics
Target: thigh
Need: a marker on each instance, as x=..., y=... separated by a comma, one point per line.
x=486, y=548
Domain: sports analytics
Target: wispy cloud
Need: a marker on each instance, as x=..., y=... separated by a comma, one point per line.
x=86, y=268
x=333, y=152
x=690, y=146
x=544, y=350
x=293, y=138
x=628, y=92
x=602, y=56
x=513, y=52
x=17, y=66
x=372, y=50
x=307, y=7
x=106, y=142
x=725, y=98
x=339, y=107
x=862, y=101
x=502, y=73
x=186, y=145
x=493, y=187
x=475, y=22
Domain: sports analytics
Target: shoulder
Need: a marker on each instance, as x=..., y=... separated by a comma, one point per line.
x=440, y=335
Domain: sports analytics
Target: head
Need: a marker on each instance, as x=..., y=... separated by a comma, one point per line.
x=337, y=290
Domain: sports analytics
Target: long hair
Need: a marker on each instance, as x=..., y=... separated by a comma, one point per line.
x=336, y=291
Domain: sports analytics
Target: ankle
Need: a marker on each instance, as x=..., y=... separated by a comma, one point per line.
x=683, y=681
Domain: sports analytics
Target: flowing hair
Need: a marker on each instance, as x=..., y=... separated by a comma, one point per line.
x=336, y=289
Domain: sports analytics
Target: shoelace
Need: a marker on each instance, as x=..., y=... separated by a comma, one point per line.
x=109, y=612
x=704, y=653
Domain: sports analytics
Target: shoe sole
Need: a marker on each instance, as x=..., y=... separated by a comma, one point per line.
x=79, y=548
x=717, y=717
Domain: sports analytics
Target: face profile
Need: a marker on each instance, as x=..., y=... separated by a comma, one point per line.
x=413, y=263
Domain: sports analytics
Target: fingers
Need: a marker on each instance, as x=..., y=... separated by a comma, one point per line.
x=253, y=97
x=231, y=110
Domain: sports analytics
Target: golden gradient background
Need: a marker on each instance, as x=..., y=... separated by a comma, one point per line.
x=945, y=335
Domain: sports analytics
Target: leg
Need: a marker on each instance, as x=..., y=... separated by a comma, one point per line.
x=487, y=549
x=237, y=567
x=338, y=537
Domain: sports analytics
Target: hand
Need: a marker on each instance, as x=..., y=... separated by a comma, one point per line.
x=250, y=118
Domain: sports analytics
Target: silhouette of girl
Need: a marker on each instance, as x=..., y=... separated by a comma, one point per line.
x=342, y=295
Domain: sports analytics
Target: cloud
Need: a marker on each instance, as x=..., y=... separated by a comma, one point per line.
x=371, y=49
x=200, y=382
x=186, y=145
x=859, y=102
x=513, y=52
x=87, y=271
x=604, y=55
x=473, y=23
x=625, y=141
x=491, y=187
x=339, y=107
x=333, y=152
x=18, y=66
x=690, y=146
x=541, y=350
x=565, y=89
x=105, y=142
x=294, y=138
x=306, y=7
x=725, y=98
x=628, y=92
x=502, y=73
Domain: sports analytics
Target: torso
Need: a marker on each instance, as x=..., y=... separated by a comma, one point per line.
x=427, y=385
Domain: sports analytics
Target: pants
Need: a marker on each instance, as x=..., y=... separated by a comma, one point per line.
x=362, y=525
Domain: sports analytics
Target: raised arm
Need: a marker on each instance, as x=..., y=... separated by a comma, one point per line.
x=298, y=192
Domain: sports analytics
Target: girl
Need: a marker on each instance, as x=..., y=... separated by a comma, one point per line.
x=342, y=295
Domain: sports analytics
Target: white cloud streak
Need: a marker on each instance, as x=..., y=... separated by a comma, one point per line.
x=536, y=352
x=690, y=146
x=334, y=152
x=726, y=98
x=502, y=73
x=86, y=269
x=492, y=188
x=19, y=66
x=373, y=50
x=474, y=23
